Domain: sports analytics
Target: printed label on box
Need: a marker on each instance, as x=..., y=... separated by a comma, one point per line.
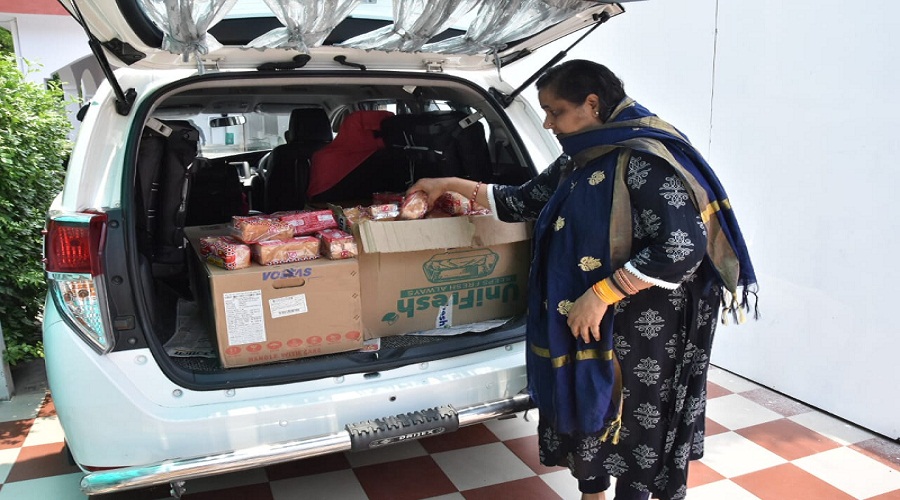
x=444, y=318
x=244, y=317
x=287, y=306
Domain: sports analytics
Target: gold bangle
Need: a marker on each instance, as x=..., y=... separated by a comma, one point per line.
x=474, y=195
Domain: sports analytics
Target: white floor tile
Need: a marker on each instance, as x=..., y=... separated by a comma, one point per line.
x=514, y=428
x=65, y=487
x=562, y=483
x=736, y=412
x=832, y=428
x=480, y=466
x=851, y=472
x=733, y=455
x=730, y=381
x=328, y=486
x=391, y=453
x=720, y=490
x=45, y=430
x=7, y=459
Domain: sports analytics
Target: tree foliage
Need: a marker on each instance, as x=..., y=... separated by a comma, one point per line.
x=6, y=42
x=33, y=145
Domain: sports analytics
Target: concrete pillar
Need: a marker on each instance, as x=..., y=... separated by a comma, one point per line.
x=6, y=382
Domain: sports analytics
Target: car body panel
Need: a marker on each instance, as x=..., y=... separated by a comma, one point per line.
x=126, y=398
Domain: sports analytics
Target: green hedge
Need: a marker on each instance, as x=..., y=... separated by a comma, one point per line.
x=33, y=146
x=6, y=42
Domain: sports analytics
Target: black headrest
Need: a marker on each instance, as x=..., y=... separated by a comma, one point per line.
x=309, y=125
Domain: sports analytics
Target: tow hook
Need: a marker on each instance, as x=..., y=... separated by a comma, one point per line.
x=176, y=489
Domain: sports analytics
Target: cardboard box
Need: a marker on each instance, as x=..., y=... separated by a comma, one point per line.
x=264, y=314
x=435, y=273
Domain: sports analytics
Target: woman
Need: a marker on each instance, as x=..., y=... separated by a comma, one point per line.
x=634, y=244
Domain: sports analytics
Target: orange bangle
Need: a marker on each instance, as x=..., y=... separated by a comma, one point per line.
x=606, y=293
x=474, y=195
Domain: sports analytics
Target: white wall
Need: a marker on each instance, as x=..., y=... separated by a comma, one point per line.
x=803, y=119
x=50, y=41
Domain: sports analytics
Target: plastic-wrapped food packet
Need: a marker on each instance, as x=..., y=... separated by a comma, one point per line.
x=225, y=252
x=269, y=253
x=352, y=216
x=253, y=229
x=337, y=244
x=415, y=206
x=306, y=222
x=454, y=203
x=388, y=211
x=479, y=210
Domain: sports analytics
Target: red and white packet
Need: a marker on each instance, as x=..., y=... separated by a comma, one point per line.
x=307, y=222
x=256, y=228
x=414, y=206
x=225, y=252
x=337, y=244
x=270, y=253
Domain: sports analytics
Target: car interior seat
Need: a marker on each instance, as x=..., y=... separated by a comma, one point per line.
x=286, y=167
x=357, y=163
x=441, y=144
x=215, y=194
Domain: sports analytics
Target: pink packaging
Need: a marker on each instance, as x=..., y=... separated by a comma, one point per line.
x=337, y=244
x=253, y=229
x=225, y=252
x=306, y=222
x=388, y=211
x=454, y=203
x=273, y=252
x=414, y=206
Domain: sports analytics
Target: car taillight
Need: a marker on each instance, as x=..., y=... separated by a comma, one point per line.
x=73, y=247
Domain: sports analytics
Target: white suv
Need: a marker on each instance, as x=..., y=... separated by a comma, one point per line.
x=215, y=92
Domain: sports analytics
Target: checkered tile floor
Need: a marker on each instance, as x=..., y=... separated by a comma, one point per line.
x=760, y=445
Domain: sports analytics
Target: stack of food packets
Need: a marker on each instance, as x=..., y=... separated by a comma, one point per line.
x=279, y=238
x=400, y=206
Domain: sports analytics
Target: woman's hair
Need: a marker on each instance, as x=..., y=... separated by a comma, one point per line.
x=574, y=80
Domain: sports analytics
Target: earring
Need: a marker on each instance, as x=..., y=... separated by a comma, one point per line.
x=596, y=113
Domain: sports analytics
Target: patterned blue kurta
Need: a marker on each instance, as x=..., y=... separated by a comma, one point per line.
x=662, y=337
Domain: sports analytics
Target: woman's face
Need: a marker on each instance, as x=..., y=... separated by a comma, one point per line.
x=565, y=117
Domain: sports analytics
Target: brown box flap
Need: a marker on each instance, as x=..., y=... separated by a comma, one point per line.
x=450, y=232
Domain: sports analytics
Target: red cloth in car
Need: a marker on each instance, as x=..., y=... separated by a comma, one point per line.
x=356, y=140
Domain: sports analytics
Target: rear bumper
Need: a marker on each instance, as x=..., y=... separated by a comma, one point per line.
x=177, y=470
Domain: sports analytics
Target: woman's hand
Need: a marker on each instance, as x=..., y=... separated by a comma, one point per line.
x=432, y=187
x=585, y=315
